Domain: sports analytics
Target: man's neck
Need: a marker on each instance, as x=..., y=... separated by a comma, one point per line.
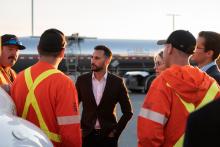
x=179, y=58
x=51, y=60
x=200, y=65
x=99, y=75
x=180, y=61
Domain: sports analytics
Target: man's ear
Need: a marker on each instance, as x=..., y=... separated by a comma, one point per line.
x=62, y=53
x=209, y=53
x=169, y=49
x=108, y=61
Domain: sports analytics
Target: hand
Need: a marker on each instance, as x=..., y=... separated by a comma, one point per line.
x=112, y=133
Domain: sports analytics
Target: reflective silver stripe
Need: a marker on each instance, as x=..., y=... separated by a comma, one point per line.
x=66, y=120
x=154, y=116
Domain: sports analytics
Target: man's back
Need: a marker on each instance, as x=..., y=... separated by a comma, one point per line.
x=53, y=99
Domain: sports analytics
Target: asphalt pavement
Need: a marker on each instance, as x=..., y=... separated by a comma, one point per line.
x=128, y=137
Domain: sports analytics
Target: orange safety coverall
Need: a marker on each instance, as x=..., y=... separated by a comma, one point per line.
x=163, y=116
x=58, y=103
x=7, y=77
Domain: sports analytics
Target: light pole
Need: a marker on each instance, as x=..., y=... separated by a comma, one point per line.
x=32, y=17
x=173, y=19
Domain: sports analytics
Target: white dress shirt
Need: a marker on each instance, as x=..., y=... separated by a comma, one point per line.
x=98, y=89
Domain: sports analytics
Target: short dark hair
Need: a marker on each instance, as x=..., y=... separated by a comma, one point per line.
x=106, y=50
x=52, y=42
x=212, y=42
x=160, y=54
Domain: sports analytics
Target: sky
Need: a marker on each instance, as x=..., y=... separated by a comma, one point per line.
x=113, y=19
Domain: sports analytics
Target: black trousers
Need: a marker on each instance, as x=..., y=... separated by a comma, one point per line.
x=95, y=139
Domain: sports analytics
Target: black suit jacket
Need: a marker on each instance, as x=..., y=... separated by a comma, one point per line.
x=214, y=72
x=203, y=127
x=114, y=92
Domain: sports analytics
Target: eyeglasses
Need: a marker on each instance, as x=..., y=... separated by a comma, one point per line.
x=198, y=48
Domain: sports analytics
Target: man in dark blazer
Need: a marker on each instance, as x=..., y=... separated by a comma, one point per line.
x=99, y=92
x=214, y=72
x=206, y=53
x=203, y=127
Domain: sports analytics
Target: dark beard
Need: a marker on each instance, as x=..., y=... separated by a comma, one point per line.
x=96, y=69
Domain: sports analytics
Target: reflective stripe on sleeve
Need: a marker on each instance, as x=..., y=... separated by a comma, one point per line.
x=210, y=95
x=66, y=120
x=154, y=116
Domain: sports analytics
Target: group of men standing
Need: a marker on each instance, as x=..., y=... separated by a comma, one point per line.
x=49, y=99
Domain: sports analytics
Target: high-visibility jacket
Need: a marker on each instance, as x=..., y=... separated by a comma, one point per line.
x=7, y=77
x=48, y=98
x=178, y=91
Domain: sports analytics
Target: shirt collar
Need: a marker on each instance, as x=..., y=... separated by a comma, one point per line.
x=206, y=67
x=105, y=76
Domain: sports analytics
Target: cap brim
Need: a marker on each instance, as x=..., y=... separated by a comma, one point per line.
x=21, y=47
x=161, y=42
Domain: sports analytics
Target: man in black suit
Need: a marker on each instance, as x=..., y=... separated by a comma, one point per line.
x=99, y=92
x=203, y=127
x=206, y=53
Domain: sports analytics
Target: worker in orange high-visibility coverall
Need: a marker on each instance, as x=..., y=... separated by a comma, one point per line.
x=9, y=52
x=175, y=93
x=47, y=97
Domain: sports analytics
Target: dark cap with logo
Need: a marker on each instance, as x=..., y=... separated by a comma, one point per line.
x=181, y=40
x=9, y=39
x=52, y=40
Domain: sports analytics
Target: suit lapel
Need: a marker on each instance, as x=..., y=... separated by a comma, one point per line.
x=90, y=89
x=107, y=86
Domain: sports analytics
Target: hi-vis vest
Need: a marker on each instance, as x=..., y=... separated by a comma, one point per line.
x=5, y=78
x=210, y=96
x=31, y=100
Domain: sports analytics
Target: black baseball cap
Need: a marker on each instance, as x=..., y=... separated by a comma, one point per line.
x=9, y=39
x=52, y=40
x=181, y=40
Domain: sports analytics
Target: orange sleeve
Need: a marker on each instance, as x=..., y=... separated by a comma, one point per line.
x=67, y=112
x=152, y=118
